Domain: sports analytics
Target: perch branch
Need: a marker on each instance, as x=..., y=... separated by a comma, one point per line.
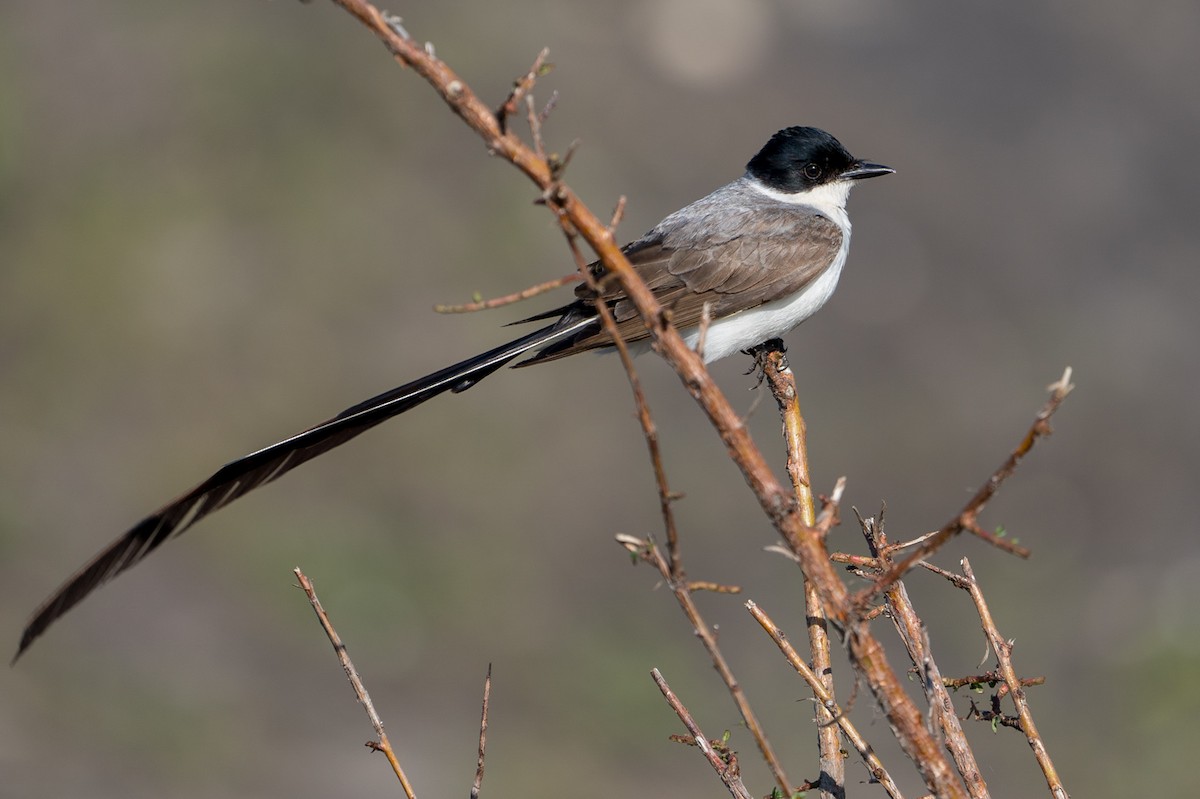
x=867, y=654
x=779, y=376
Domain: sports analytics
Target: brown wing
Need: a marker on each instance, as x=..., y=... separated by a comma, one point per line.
x=775, y=253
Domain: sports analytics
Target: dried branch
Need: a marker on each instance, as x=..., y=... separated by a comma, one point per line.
x=535, y=131
x=618, y=214
x=648, y=552
x=360, y=690
x=967, y=517
x=483, y=725
x=508, y=299
x=716, y=588
x=988, y=678
x=826, y=701
x=996, y=540
x=780, y=507
x=522, y=86
x=1003, y=650
x=916, y=642
x=727, y=771
x=778, y=374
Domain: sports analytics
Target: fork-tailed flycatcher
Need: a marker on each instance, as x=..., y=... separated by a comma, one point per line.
x=763, y=253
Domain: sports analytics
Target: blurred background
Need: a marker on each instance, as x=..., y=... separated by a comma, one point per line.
x=223, y=222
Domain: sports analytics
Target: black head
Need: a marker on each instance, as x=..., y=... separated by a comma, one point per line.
x=797, y=159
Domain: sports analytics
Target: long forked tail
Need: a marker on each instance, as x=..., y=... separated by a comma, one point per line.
x=247, y=473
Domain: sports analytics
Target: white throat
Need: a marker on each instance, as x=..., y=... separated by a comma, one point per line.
x=828, y=198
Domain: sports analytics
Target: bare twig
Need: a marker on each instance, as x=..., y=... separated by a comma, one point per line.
x=483, y=726
x=957, y=580
x=360, y=690
x=863, y=563
x=728, y=772
x=920, y=651
x=989, y=678
x=1003, y=650
x=548, y=108
x=892, y=549
x=647, y=551
x=617, y=215
x=649, y=429
x=970, y=512
x=865, y=651
x=716, y=588
x=837, y=719
x=522, y=86
x=996, y=540
x=535, y=128
x=508, y=299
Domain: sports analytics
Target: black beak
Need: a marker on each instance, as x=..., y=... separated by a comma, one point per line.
x=861, y=170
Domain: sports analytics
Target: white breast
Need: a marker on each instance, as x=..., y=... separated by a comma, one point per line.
x=770, y=320
x=776, y=318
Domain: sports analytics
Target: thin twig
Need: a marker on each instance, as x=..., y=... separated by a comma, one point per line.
x=666, y=497
x=915, y=637
x=997, y=540
x=989, y=678
x=360, y=690
x=970, y=512
x=647, y=551
x=892, y=549
x=716, y=588
x=865, y=651
x=826, y=700
x=1003, y=650
x=508, y=299
x=617, y=215
x=548, y=108
x=955, y=579
x=483, y=726
x=728, y=774
x=535, y=128
x=522, y=86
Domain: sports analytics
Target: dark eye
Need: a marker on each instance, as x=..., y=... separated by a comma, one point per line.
x=812, y=171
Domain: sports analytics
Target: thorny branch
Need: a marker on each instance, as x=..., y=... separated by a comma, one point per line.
x=825, y=699
x=1003, y=650
x=778, y=374
x=967, y=517
x=916, y=642
x=727, y=769
x=805, y=542
x=647, y=551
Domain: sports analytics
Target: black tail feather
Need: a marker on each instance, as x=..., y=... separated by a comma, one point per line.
x=247, y=473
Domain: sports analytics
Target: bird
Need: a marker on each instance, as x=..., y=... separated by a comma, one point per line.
x=738, y=267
